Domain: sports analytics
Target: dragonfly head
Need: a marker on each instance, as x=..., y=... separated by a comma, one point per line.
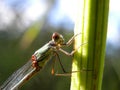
x=57, y=38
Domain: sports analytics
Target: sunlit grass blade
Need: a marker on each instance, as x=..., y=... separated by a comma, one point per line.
x=92, y=23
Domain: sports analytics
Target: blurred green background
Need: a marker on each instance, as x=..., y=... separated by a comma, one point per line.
x=27, y=25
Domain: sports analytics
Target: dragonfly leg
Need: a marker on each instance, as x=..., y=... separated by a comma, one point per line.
x=70, y=41
x=72, y=52
x=64, y=72
x=58, y=58
x=67, y=53
x=53, y=66
x=70, y=73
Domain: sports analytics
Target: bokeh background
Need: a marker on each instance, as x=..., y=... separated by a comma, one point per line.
x=26, y=25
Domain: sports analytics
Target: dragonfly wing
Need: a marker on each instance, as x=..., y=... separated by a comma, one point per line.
x=19, y=77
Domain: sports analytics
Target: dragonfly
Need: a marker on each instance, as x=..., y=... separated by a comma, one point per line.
x=38, y=61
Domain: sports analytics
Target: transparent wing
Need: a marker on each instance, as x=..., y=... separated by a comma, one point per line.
x=19, y=77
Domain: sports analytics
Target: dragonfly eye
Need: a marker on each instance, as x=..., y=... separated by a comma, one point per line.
x=57, y=38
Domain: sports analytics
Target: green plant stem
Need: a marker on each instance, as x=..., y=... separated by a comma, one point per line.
x=89, y=60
